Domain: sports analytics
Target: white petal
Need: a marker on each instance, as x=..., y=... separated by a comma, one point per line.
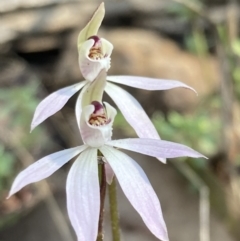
x=93, y=25
x=148, y=83
x=83, y=195
x=44, y=167
x=138, y=190
x=155, y=148
x=96, y=136
x=133, y=113
x=53, y=103
x=90, y=68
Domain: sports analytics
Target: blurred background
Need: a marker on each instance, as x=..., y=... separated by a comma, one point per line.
x=196, y=42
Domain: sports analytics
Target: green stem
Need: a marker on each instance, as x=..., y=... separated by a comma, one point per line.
x=112, y=190
x=103, y=185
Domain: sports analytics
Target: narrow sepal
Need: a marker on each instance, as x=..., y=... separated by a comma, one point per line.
x=53, y=103
x=43, y=168
x=94, y=90
x=133, y=113
x=92, y=26
x=155, y=148
x=138, y=190
x=148, y=83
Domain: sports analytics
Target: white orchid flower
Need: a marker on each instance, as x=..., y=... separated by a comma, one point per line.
x=128, y=105
x=83, y=194
x=91, y=48
x=94, y=52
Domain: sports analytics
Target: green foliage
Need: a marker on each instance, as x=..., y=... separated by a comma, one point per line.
x=236, y=47
x=196, y=131
x=17, y=108
x=121, y=123
x=223, y=34
x=235, y=65
x=182, y=12
x=18, y=99
x=6, y=166
x=197, y=43
x=199, y=130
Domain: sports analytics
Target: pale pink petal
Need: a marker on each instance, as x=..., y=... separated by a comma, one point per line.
x=53, y=103
x=148, y=83
x=89, y=67
x=93, y=25
x=138, y=190
x=96, y=136
x=43, y=168
x=79, y=105
x=133, y=113
x=155, y=148
x=83, y=195
x=109, y=173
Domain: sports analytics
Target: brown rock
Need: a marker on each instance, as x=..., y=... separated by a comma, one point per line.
x=33, y=44
x=13, y=5
x=150, y=6
x=52, y=19
x=140, y=52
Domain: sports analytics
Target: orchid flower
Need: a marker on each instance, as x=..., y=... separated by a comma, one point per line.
x=94, y=52
x=129, y=106
x=83, y=197
x=90, y=45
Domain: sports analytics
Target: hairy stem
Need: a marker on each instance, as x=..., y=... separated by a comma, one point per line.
x=114, y=210
x=102, y=181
